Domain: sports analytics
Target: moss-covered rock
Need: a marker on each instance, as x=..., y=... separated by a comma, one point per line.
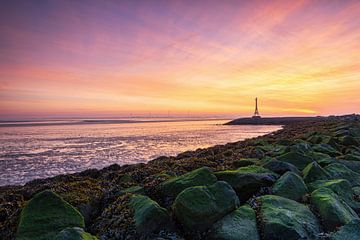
x=333, y=211
x=74, y=233
x=340, y=171
x=285, y=219
x=199, y=177
x=244, y=162
x=280, y=167
x=350, y=157
x=349, y=141
x=341, y=187
x=245, y=183
x=149, y=216
x=350, y=231
x=291, y=186
x=135, y=190
x=254, y=169
x=238, y=225
x=297, y=158
x=197, y=208
x=45, y=215
x=314, y=172
x=353, y=165
x=327, y=149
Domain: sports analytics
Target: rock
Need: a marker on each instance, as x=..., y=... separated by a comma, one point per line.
x=314, y=172
x=285, y=219
x=197, y=208
x=353, y=165
x=340, y=171
x=291, y=186
x=45, y=215
x=333, y=211
x=243, y=162
x=246, y=184
x=254, y=169
x=199, y=177
x=349, y=231
x=238, y=225
x=74, y=233
x=281, y=167
x=326, y=161
x=327, y=149
x=297, y=158
x=356, y=191
x=149, y=216
x=300, y=146
x=350, y=157
x=342, y=188
x=135, y=190
x=349, y=141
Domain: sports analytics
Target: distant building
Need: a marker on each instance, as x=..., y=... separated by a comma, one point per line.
x=256, y=113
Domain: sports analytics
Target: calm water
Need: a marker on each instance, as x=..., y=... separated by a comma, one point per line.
x=29, y=152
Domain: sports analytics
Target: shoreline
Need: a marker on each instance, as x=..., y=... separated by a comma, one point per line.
x=92, y=191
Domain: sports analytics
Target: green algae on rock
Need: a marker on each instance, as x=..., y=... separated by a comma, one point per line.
x=333, y=211
x=285, y=219
x=290, y=186
x=350, y=231
x=313, y=172
x=244, y=162
x=149, y=216
x=246, y=184
x=74, y=233
x=199, y=177
x=45, y=215
x=197, y=208
x=340, y=171
x=297, y=158
x=238, y=225
x=280, y=167
x=341, y=187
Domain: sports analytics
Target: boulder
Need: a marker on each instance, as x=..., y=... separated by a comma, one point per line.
x=246, y=184
x=314, y=172
x=353, y=165
x=281, y=167
x=349, y=231
x=45, y=215
x=197, y=208
x=199, y=177
x=74, y=233
x=135, y=190
x=349, y=141
x=285, y=219
x=327, y=149
x=333, y=211
x=342, y=188
x=297, y=158
x=238, y=225
x=350, y=157
x=243, y=162
x=291, y=186
x=254, y=169
x=149, y=216
x=340, y=171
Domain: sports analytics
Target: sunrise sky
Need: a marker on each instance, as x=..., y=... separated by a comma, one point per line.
x=209, y=58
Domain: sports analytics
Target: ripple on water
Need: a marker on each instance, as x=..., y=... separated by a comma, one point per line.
x=27, y=153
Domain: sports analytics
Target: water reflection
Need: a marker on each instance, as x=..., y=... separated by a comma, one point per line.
x=33, y=152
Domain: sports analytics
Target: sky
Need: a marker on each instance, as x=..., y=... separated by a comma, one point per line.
x=178, y=58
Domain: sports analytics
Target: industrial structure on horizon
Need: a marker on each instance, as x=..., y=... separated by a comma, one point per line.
x=256, y=113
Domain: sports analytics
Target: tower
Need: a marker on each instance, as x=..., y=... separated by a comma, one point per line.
x=256, y=113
